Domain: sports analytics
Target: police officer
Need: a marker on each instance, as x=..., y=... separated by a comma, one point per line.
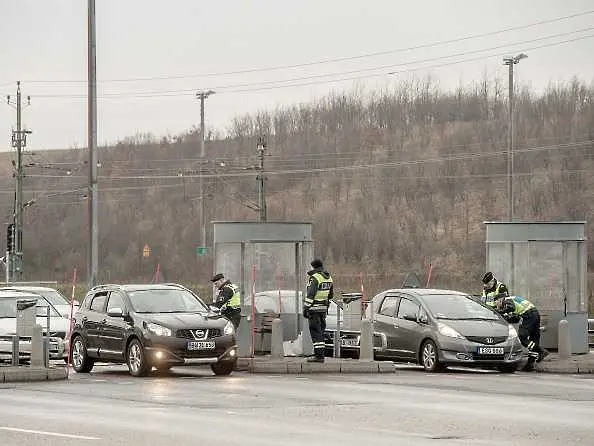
x=228, y=299
x=516, y=308
x=320, y=290
x=492, y=289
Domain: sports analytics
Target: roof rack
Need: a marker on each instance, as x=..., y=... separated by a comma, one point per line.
x=105, y=285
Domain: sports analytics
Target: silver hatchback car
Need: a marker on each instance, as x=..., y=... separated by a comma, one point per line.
x=440, y=328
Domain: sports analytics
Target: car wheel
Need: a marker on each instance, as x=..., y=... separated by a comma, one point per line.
x=507, y=368
x=138, y=364
x=80, y=360
x=223, y=368
x=430, y=357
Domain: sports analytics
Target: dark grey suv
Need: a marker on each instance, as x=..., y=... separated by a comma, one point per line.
x=146, y=326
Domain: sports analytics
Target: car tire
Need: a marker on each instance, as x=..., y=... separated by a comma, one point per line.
x=223, y=368
x=80, y=359
x=138, y=363
x=507, y=368
x=429, y=357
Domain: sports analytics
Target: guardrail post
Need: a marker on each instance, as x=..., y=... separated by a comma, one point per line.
x=337, y=333
x=46, y=346
x=15, y=350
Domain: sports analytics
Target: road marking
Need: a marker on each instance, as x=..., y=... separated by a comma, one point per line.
x=49, y=434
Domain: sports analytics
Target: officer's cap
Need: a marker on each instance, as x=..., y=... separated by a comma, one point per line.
x=488, y=277
x=316, y=263
x=216, y=277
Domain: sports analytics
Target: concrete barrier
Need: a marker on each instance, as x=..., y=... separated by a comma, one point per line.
x=564, y=340
x=37, y=346
x=30, y=374
x=366, y=341
x=276, y=342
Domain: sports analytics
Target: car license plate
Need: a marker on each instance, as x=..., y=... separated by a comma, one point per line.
x=349, y=342
x=490, y=350
x=201, y=345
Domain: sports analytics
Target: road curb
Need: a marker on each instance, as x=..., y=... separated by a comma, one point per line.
x=32, y=374
x=566, y=366
x=301, y=366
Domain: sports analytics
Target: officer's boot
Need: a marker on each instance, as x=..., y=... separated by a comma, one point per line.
x=318, y=355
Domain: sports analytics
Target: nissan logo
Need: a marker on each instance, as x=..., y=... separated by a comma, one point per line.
x=489, y=340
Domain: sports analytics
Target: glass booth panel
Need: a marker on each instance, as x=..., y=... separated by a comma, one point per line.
x=520, y=286
x=546, y=275
x=228, y=262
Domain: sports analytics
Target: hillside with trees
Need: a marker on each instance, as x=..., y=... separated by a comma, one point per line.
x=393, y=180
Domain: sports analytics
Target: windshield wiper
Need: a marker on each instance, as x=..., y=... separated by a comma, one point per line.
x=175, y=311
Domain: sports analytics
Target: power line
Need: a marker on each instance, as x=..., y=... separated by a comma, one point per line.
x=313, y=156
x=391, y=164
x=286, y=83
x=334, y=60
x=429, y=178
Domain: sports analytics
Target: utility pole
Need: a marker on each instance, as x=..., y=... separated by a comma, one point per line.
x=92, y=143
x=202, y=95
x=19, y=141
x=510, y=62
x=261, y=178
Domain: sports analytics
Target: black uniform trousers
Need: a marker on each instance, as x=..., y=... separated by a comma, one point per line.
x=317, y=327
x=529, y=331
x=233, y=314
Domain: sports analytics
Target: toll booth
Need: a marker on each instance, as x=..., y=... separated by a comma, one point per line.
x=262, y=257
x=544, y=262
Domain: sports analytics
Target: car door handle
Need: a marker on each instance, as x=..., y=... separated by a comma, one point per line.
x=85, y=319
x=396, y=325
x=104, y=321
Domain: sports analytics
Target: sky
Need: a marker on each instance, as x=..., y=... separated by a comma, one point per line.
x=153, y=56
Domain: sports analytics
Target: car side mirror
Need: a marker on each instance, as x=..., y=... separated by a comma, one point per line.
x=410, y=317
x=115, y=312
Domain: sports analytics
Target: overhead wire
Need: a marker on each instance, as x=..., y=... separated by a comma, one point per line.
x=270, y=85
x=355, y=167
x=334, y=60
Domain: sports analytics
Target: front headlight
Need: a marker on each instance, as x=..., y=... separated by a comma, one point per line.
x=513, y=333
x=448, y=331
x=229, y=329
x=158, y=330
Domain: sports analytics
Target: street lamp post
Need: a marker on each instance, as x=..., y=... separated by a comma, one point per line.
x=510, y=62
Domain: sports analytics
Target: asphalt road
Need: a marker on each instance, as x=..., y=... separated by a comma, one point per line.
x=192, y=407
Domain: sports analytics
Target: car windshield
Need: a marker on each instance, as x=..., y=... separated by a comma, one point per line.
x=54, y=297
x=166, y=301
x=457, y=306
x=8, y=307
x=285, y=303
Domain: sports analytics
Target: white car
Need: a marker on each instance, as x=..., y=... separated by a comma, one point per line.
x=60, y=302
x=59, y=326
